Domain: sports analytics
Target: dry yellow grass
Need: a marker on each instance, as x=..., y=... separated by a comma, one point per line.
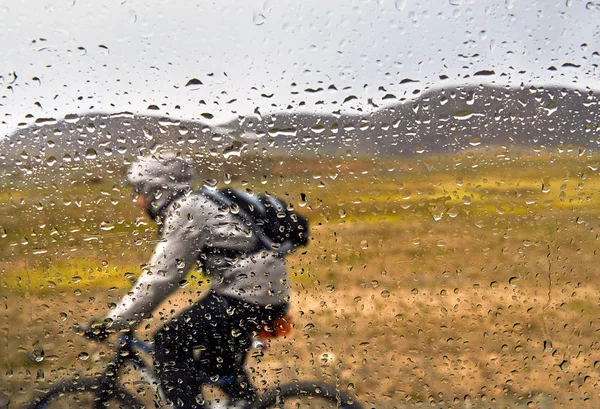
x=428, y=281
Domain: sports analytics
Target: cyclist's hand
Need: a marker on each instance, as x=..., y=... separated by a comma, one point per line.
x=96, y=330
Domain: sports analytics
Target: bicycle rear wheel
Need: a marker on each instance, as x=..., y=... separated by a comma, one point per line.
x=305, y=395
x=84, y=393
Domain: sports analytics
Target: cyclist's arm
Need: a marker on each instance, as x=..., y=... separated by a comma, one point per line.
x=173, y=257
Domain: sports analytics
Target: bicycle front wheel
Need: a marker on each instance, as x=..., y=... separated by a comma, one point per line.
x=85, y=393
x=306, y=395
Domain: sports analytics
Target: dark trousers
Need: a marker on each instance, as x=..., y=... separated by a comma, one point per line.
x=207, y=344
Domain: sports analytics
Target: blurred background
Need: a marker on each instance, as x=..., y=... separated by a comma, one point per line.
x=446, y=154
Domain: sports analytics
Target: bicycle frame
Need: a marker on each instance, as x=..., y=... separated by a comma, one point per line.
x=128, y=353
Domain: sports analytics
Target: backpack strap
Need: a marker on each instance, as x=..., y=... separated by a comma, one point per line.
x=228, y=200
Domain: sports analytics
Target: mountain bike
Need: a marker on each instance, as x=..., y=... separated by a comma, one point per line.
x=105, y=390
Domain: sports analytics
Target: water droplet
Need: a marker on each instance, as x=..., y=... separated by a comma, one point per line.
x=147, y=133
x=91, y=154
x=437, y=211
x=590, y=5
x=106, y=226
x=545, y=186
x=37, y=355
x=83, y=356
x=268, y=6
x=234, y=149
x=259, y=19
x=302, y=201
x=132, y=16
x=183, y=131
x=465, y=114
x=318, y=129
x=51, y=161
x=193, y=82
x=564, y=366
x=400, y=4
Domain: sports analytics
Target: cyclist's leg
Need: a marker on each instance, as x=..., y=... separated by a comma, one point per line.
x=220, y=344
x=174, y=365
x=221, y=328
x=233, y=366
x=246, y=319
x=180, y=375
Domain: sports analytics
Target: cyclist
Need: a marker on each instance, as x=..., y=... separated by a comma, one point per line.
x=249, y=285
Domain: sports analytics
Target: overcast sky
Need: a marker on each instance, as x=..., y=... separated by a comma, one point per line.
x=73, y=56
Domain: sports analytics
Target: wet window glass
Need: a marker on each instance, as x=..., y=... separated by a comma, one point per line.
x=356, y=204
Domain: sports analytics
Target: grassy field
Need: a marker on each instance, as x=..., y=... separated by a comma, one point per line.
x=459, y=280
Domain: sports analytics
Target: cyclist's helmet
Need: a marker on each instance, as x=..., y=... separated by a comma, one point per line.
x=162, y=170
x=160, y=178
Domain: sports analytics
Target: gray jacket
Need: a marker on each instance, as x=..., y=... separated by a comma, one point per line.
x=191, y=225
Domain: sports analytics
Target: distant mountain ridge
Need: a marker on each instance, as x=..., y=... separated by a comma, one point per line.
x=444, y=120
x=437, y=120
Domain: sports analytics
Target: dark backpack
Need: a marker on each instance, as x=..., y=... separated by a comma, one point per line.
x=278, y=227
